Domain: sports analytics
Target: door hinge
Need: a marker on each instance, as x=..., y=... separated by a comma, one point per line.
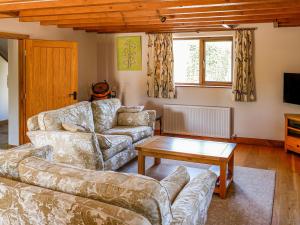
x=25, y=53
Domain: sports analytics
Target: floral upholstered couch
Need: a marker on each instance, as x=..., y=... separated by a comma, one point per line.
x=34, y=190
x=100, y=135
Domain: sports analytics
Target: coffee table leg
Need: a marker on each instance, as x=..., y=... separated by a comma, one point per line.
x=231, y=166
x=157, y=161
x=141, y=163
x=223, y=179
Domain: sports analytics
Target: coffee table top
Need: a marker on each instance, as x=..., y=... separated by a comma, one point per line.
x=187, y=147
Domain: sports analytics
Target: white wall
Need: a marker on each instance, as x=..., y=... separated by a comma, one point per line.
x=87, y=57
x=13, y=92
x=277, y=50
x=3, y=90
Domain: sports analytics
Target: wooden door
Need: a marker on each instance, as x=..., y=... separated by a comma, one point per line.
x=51, y=77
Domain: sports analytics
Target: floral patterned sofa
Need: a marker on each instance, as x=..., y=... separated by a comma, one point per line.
x=35, y=190
x=100, y=135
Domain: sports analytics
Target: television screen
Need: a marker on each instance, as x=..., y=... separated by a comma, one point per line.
x=292, y=88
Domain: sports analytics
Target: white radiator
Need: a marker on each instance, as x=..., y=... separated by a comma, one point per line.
x=197, y=120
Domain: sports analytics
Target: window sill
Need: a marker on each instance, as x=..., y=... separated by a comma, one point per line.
x=204, y=86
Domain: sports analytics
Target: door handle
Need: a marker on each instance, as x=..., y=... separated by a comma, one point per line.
x=74, y=94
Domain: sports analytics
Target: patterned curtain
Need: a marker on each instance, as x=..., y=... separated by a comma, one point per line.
x=160, y=83
x=244, y=89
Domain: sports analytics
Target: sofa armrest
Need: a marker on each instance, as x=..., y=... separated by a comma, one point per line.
x=78, y=149
x=33, y=123
x=152, y=118
x=191, y=205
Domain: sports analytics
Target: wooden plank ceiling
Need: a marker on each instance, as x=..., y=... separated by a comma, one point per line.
x=108, y=16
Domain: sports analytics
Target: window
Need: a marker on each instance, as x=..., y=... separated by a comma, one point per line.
x=203, y=61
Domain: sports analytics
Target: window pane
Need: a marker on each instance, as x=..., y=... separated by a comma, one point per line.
x=218, y=60
x=186, y=61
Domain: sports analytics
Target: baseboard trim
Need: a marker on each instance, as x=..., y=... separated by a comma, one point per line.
x=239, y=140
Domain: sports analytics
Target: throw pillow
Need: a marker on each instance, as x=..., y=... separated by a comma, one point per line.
x=131, y=109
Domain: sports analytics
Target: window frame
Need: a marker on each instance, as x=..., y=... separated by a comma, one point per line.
x=202, y=81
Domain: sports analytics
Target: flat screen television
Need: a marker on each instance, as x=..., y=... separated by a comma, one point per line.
x=292, y=88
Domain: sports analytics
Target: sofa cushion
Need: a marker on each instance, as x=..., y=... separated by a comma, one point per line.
x=77, y=149
x=25, y=204
x=10, y=159
x=73, y=127
x=105, y=114
x=120, y=159
x=175, y=182
x=131, y=109
x=133, y=119
x=136, y=133
x=140, y=194
x=104, y=142
x=79, y=114
x=118, y=144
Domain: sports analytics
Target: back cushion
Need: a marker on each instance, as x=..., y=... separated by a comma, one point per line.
x=133, y=119
x=105, y=114
x=77, y=149
x=78, y=114
x=10, y=159
x=140, y=194
x=25, y=204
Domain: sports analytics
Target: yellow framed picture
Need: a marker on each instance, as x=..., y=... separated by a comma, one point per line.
x=129, y=53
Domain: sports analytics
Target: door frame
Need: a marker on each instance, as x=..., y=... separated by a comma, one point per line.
x=21, y=78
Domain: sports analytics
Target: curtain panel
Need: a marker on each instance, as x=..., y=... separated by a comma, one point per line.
x=244, y=89
x=160, y=82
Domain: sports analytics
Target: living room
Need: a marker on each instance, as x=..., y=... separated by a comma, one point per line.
x=188, y=122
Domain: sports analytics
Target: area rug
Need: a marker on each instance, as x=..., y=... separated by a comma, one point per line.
x=249, y=200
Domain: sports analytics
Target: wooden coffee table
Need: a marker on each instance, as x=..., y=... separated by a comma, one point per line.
x=197, y=151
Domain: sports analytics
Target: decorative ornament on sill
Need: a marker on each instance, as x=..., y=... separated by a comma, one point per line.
x=102, y=91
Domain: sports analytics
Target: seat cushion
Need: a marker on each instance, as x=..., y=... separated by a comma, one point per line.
x=105, y=114
x=136, y=133
x=79, y=114
x=118, y=144
x=175, y=182
x=104, y=142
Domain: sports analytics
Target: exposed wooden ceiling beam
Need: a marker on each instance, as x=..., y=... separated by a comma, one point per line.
x=183, y=22
x=295, y=13
x=146, y=5
x=48, y=4
x=145, y=15
x=206, y=23
x=165, y=11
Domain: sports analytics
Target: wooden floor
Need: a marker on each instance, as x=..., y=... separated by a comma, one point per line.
x=286, y=209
